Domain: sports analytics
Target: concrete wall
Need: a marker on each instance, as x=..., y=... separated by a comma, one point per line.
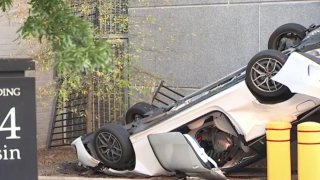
x=190, y=43
x=12, y=48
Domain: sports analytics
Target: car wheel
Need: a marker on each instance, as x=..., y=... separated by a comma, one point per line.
x=137, y=111
x=261, y=68
x=286, y=36
x=113, y=147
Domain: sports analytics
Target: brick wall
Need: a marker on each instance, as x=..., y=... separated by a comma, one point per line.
x=8, y=47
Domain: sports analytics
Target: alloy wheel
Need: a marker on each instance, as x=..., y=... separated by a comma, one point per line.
x=109, y=147
x=261, y=73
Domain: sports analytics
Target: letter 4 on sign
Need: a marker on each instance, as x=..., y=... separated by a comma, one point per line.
x=18, y=157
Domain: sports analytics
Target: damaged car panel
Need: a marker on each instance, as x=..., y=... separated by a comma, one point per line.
x=304, y=72
x=181, y=153
x=217, y=129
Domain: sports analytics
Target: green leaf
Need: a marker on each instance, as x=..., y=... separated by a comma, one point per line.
x=5, y=5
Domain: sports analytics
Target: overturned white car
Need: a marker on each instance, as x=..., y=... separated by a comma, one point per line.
x=219, y=128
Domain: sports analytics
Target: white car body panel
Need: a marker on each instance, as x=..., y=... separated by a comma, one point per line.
x=147, y=163
x=83, y=156
x=178, y=152
x=304, y=75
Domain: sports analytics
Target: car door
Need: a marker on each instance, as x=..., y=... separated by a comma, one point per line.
x=179, y=153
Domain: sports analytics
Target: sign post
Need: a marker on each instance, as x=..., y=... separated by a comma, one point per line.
x=18, y=147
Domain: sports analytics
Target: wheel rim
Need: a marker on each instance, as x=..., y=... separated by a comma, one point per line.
x=261, y=73
x=287, y=40
x=109, y=147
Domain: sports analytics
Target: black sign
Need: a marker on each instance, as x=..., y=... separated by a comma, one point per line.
x=18, y=147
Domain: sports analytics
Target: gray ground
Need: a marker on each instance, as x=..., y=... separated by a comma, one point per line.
x=62, y=162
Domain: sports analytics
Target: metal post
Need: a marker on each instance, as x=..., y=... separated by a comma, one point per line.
x=278, y=150
x=308, y=151
x=90, y=112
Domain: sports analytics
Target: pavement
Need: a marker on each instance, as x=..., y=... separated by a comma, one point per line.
x=294, y=177
x=247, y=174
x=67, y=178
x=87, y=178
x=244, y=175
x=152, y=178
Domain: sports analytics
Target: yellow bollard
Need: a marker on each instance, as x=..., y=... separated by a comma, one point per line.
x=309, y=151
x=278, y=150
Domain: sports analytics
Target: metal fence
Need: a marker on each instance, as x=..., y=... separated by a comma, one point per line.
x=111, y=107
x=69, y=121
x=85, y=113
x=107, y=16
x=106, y=110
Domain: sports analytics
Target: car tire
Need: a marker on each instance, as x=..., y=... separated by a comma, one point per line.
x=286, y=36
x=113, y=147
x=260, y=69
x=138, y=111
